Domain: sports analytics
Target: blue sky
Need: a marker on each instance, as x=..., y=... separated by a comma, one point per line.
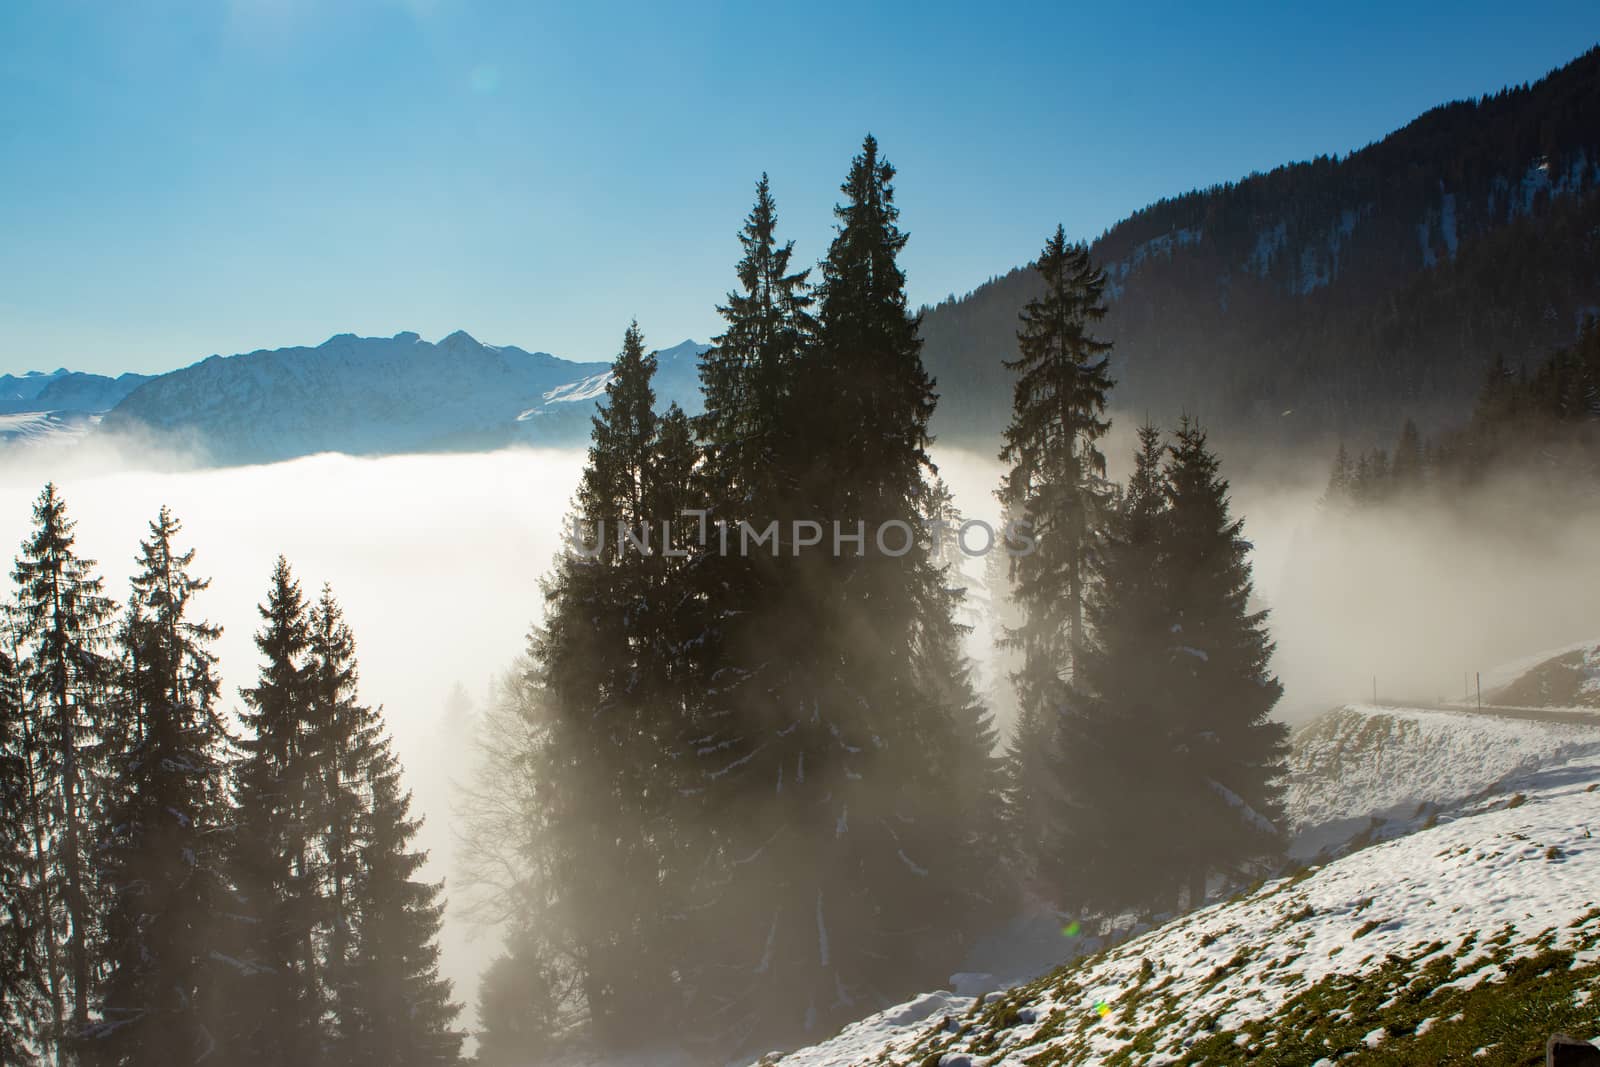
x=178, y=179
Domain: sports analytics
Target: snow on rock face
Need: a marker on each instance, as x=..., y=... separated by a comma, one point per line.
x=1362, y=762
x=1505, y=879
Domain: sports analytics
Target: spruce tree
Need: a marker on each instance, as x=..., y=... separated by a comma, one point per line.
x=390, y=1006
x=958, y=794
x=600, y=681
x=63, y=623
x=1037, y=806
x=1122, y=756
x=1057, y=476
x=1233, y=752
x=835, y=697
x=1056, y=485
x=671, y=623
x=18, y=996
x=943, y=518
x=893, y=679
x=406, y=1014
x=868, y=397
x=344, y=741
x=276, y=995
x=746, y=378
x=162, y=859
x=754, y=441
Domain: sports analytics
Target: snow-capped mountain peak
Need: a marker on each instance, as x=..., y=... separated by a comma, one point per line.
x=368, y=395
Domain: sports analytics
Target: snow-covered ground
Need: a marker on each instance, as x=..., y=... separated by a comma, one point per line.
x=1489, y=859
x=1362, y=762
x=1508, y=672
x=1506, y=876
x=34, y=427
x=1569, y=680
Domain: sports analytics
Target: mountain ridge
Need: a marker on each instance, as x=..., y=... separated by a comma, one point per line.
x=1336, y=296
x=376, y=395
x=1330, y=298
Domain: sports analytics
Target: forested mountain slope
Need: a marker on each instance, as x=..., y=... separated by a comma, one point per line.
x=1336, y=296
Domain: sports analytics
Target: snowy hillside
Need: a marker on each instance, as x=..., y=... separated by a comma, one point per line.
x=1568, y=679
x=39, y=427
x=1469, y=941
x=1360, y=763
x=677, y=381
x=64, y=390
x=62, y=405
x=373, y=395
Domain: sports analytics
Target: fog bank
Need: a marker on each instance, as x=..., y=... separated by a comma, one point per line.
x=437, y=560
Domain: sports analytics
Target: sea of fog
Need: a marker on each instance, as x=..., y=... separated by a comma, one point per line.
x=437, y=559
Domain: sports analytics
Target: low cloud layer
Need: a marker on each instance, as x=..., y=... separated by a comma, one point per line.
x=437, y=561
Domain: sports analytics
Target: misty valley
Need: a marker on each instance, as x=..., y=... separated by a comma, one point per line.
x=1183, y=648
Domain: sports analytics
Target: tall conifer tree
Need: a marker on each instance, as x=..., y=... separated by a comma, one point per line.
x=389, y=1005
x=1057, y=479
x=64, y=621
x=1234, y=751
x=835, y=697
x=1122, y=760
x=869, y=396
x=278, y=1003
x=345, y=740
x=162, y=860
x=18, y=995
x=1056, y=484
x=754, y=436
x=597, y=685
x=747, y=378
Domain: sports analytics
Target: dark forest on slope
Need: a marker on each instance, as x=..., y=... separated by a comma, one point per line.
x=1537, y=427
x=1350, y=292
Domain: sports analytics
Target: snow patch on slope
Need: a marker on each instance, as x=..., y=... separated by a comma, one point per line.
x=1362, y=762
x=1517, y=870
x=40, y=427
x=1508, y=672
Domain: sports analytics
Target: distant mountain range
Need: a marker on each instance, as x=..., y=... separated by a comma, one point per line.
x=1329, y=298
x=358, y=395
x=36, y=405
x=65, y=391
